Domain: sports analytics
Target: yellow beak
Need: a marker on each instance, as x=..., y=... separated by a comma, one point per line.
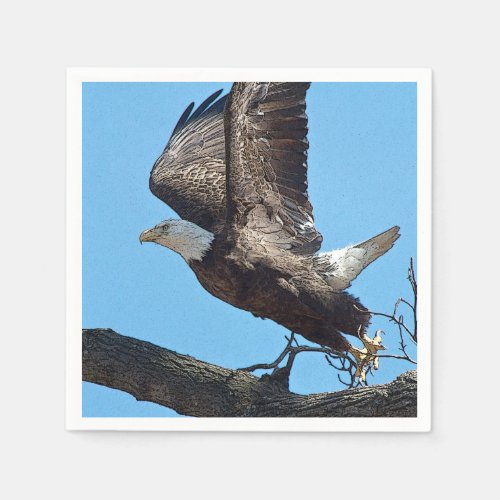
x=148, y=235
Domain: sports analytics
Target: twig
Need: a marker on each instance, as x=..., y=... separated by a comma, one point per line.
x=395, y=356
x=398, y=319
x=346, y=363
x=391, y=317
x=413, y=283
x=275, y=363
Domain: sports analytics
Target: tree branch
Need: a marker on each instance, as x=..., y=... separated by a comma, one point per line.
x=196, y=388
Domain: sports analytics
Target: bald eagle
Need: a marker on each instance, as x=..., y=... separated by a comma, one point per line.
x=235, y=170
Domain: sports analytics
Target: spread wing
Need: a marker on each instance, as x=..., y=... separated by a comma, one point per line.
x=190, y=176
x=266, y=156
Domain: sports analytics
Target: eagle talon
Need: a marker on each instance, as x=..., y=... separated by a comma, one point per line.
x=367, y=357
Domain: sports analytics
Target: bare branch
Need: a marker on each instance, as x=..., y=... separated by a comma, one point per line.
x=398, y=320
x=275, y=363
x=413, y=283
x=196, y=388
x=391, y=317
x=346, y=363
x=395, y=356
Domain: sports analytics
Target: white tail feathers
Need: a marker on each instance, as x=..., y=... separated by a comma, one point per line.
x=340, y=267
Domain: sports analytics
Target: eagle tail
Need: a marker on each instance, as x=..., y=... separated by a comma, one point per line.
x=340, y=267
x=378, y=245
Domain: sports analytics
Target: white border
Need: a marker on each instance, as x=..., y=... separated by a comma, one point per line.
x=75, y=77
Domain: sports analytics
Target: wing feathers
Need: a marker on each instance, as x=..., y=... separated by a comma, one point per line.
x=271, y=121
x=182, y=120
x=205, y=104
x=190, y=174
x=266, y=141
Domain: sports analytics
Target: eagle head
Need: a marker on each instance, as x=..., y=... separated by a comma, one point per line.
x=187, y=239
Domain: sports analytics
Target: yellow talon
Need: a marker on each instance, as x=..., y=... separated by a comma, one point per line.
x=368, y=355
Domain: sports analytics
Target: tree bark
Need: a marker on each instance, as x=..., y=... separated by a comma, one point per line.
x=196, y=388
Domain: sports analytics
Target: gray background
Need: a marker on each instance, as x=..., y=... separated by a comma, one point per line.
x=457, y=39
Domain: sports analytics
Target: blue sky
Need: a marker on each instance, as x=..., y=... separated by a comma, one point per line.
x=362, y=180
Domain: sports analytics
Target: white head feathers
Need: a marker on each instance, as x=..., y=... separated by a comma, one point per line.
x=187, y=239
